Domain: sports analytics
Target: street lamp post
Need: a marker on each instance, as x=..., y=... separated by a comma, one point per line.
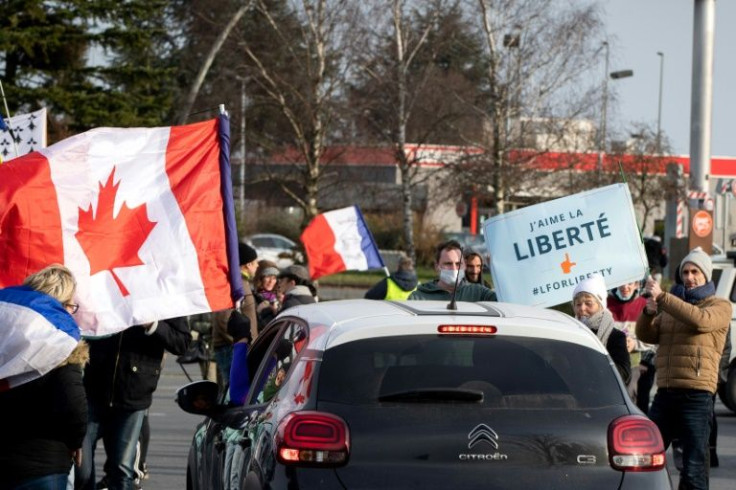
x=513, y=41
x=604, y=112
x=602, y=129
x=510, y=41
x=659, y=106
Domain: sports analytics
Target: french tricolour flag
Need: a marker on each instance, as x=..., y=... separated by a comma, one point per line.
x=143, y=217
x=36, y=335
x=340, y=240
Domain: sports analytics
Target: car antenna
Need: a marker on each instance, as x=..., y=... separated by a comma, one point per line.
x=453, y=305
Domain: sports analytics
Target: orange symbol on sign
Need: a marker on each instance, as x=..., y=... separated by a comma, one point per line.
x=567, y=265
x=702, y=223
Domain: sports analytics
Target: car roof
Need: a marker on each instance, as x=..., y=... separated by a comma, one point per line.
x=342, y=321
x=268, y=235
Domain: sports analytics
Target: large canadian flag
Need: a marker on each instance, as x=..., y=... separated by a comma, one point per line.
x=143, y=217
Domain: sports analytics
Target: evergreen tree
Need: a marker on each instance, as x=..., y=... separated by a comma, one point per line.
x=91, y=64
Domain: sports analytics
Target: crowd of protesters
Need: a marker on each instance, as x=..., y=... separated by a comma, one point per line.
x=102, y=387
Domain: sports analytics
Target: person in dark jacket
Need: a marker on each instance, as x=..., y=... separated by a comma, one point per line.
x=297, y=288
x=399, y=285
x=589, y=304
x=656, y=256
x=626, y=304
x=44, y=420
x=266, y=289
x=722, y=379
x=120, y=379
x=248, y=268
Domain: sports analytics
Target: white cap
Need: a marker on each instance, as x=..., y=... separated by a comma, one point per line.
x=595, y=286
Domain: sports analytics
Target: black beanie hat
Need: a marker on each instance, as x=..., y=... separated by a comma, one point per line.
x=238, y=326
x=247, y=253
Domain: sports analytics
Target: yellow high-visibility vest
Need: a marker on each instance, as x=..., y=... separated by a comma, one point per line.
x=393, y=291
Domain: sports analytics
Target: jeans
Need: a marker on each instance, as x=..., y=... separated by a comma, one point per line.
x=119, y=431
x=686, y=415
x=644, y=386
x=47, y=482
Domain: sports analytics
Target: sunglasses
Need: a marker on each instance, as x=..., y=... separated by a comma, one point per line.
x=72, y=307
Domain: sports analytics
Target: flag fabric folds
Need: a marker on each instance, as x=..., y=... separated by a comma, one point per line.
x=37, y=335
x=29, y=131
x=143, y=217
x=340, y=240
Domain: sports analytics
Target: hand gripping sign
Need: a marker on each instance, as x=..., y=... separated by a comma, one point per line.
x=541, y=252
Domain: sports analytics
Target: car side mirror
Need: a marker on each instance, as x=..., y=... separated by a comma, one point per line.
x=198, y=397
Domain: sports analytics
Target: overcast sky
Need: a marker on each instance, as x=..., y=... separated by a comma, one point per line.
x=637, y=29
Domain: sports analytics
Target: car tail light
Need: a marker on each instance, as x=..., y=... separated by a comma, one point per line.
x=312, y=439
x=635, y=444
x=466, y=329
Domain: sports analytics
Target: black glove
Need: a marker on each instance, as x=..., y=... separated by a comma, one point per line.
x=238, y=327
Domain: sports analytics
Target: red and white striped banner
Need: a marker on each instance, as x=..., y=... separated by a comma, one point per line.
x=680, y=226
x=697, y=195
x=707, y=201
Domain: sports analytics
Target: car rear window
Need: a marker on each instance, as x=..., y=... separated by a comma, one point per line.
x=512, y=372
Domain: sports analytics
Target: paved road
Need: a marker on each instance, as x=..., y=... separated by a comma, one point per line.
x=171, y=432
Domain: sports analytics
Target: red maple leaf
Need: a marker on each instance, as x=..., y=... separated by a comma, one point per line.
x=111, y=242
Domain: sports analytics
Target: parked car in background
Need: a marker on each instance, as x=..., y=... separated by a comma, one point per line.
x=276, y=248
x=724, y=277
x=378, y=394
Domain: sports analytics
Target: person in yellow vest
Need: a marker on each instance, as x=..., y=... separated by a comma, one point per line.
x=399, y=285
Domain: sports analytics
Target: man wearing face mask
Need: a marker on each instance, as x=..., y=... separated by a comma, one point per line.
x=690, y=324
x=450, y=267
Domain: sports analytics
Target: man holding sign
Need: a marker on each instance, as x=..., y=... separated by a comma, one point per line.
x=541, y=253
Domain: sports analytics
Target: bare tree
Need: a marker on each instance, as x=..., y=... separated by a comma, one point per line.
x=537, y=53
x=400, y=94
x=643, y=168
x=405, y=53
x=210, y=59
x=306, y=85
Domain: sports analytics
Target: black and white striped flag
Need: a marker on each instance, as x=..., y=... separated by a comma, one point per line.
x=27, y=133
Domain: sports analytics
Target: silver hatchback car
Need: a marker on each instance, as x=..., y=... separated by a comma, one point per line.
x=378, y=394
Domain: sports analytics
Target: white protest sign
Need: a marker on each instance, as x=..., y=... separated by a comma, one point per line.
x=541, y=252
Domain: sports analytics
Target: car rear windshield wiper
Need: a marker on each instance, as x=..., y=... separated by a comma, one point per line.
x=434, y=394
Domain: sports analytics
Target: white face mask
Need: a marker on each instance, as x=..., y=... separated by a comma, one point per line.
x=623, y=297
x=449, y=276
